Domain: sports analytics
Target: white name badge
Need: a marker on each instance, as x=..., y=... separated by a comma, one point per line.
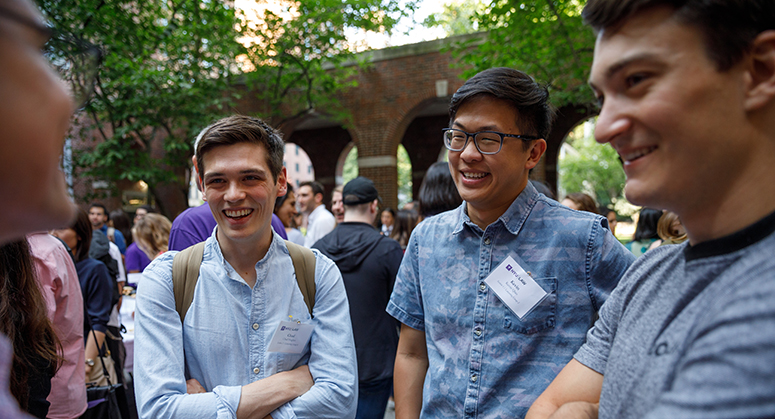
x=515, y=287
x=290, y=337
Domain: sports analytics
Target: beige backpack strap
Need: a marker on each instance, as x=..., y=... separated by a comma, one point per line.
x=304, y=265
x=185, y=273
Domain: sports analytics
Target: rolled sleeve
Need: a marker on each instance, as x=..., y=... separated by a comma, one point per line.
x=160, y=381
x=332, y=361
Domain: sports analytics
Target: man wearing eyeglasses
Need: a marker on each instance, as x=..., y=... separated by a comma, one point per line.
x=496, y=295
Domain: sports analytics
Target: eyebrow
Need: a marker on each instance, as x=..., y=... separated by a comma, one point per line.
x=241, y=172
x=621, y=65
x=484, y=128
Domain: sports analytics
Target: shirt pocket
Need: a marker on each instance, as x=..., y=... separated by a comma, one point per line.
x=542, y=317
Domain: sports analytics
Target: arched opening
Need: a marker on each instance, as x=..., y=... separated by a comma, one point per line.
x=298, y=165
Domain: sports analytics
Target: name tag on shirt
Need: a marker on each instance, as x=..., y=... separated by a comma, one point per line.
x=515, y=287
x=290, y=337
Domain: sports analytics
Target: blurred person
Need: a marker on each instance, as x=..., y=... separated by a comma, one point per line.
x=368, y=261
x=438, y=192
x=23, y=318
x=120, y=221
x=61, y=291
x=610, y=215
x=319, y=220
x=645, y=231
x=142, y=211
x=136, y=260
x=337, y=208
x=687, y=99
x=542, y=187
x=388, y=218
x=99, y=217
x=462, y=350
x=285, y=210
x=580, y=201
x=670, y=230
x=96, y=290
x=403, y=227
x=206, y=360
x=152, y=233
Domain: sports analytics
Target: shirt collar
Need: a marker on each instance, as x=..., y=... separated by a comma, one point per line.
x=512, y=219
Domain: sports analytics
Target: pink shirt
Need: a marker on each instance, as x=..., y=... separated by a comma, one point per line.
x=60, y=287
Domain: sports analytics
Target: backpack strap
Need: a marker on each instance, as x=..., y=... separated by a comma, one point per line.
x=185, y=274
x=304, y=265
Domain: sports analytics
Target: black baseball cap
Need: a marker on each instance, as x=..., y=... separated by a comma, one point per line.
x=359, y=191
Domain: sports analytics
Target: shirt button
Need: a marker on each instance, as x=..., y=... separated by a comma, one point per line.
x=487, y=241
x=478, y=332
x=482, y=286
x=256, y=370
x=473, y=378
x=255, y=326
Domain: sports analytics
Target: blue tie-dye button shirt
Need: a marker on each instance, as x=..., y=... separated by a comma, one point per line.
x=484, y=361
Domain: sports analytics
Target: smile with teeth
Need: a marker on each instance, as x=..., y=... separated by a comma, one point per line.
x=473, y=175
x=635, y=154
x=237, y=213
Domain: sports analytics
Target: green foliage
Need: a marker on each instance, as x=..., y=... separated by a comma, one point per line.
x=350, y=169
x=544, y=38
x=457, y=18
x=404, y=176
x=589, y=167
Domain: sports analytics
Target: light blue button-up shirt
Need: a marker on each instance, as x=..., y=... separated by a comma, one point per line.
x=485, y=362
x=227, y=331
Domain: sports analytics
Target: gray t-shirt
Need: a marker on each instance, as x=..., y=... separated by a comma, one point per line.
x=690, y=332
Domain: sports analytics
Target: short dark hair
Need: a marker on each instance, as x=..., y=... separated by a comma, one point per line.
x=98, y=205
x=728, y=26
x=438, y=192
x=316, y=187
x=238, y=129
x=583, y=201
x=530, y=99
x=149, y=209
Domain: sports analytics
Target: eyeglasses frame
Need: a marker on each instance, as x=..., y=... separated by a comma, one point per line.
x=476, y=143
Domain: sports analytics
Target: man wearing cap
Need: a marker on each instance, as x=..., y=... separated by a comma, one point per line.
x=496, y=294
x=368, y=262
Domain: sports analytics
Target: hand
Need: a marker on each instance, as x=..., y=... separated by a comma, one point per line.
x=302, y=379
x=193, y=387
x=576, y=410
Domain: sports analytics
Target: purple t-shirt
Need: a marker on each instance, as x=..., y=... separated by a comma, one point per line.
x=136, y=259
x=196, y=224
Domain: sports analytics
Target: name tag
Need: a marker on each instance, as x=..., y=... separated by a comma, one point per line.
x=515, y=287
x=290, y=337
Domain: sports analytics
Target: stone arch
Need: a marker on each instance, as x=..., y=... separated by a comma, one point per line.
x=566, y=119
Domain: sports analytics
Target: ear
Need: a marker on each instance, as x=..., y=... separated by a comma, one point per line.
x=318, y=198
x=537, y=149
x=761, y=71
x=282, y=182
x=198, y=178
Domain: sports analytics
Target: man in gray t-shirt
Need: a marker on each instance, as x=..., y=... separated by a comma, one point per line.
x=687, y=96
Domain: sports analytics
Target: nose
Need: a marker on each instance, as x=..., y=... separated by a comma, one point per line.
x=612, y=122
x=470, y=152
x=234, y=193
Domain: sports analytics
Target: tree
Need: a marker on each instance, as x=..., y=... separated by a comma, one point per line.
x=589, y=167
x=544, y=38
x=172, y=67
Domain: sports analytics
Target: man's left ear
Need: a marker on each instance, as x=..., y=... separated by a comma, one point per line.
x=761, y=71
x=282, y=182
x=536, y=150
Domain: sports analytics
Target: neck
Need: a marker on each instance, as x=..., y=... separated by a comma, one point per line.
x=358, y=218
x=243, y=256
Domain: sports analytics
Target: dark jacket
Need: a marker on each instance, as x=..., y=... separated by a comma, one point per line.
x=369, y=263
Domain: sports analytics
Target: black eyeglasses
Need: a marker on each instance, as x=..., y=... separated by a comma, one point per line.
x=487, y=142
x=77, y=61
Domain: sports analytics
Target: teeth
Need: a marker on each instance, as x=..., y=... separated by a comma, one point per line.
x=238, y=213
x=477, y=175
x=632, y=155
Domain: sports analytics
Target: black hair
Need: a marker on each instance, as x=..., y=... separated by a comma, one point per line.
x=278, y=203
x=316, y=187
x=438, y=192
x=104, y=209
x=647, y=224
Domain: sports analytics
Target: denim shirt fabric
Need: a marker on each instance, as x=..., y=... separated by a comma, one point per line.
x=484, y=362
x=227, y=330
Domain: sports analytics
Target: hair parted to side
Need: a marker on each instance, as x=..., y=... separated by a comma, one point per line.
x=316, y=187
x=438, y=192
x=152, y=234
x=728, y=26
x=530, y=99
x=238, y=129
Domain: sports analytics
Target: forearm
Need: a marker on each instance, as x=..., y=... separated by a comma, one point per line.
x=409, y=376
x=574, y=393
x=262, y=397
x=91, y=351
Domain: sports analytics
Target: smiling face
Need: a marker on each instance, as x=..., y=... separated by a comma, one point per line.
x=337, y=206
x=34, y=115
x=287, y=210
x=241, y=192
x=490, y=183
x=677, y=123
